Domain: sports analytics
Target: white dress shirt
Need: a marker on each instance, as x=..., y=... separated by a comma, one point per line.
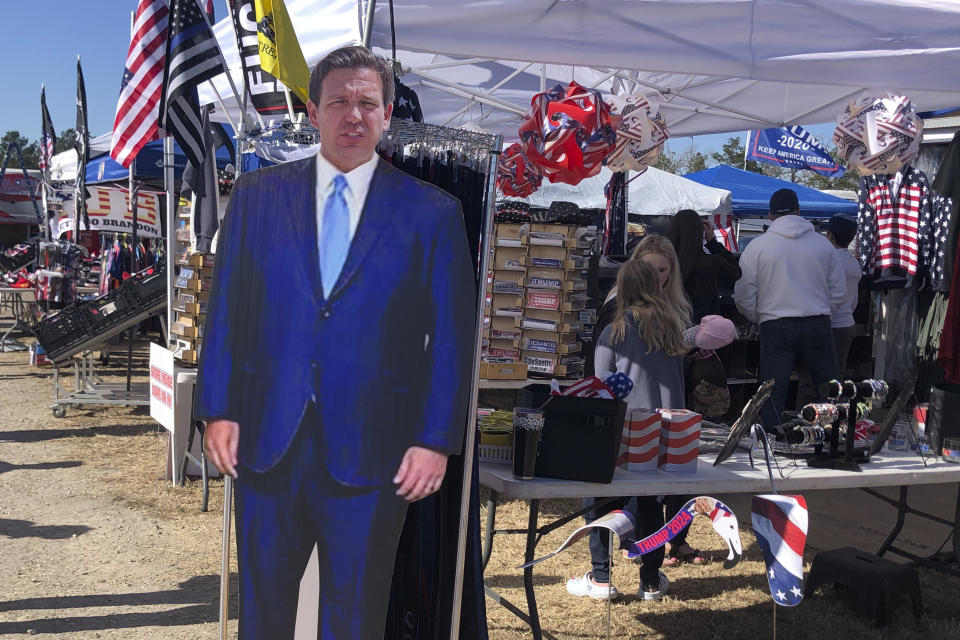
x=358, y=185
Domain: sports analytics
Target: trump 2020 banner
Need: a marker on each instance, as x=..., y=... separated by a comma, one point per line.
x=794, y=148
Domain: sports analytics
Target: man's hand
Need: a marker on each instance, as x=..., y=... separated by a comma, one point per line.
x=420, y=473
x=220, y=442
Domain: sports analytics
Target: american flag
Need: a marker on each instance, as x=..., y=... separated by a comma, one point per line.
x=142, y=83
x=617, y=385
x=192, y=57
x=592, y=387
x=48, y=138
x=780, y=524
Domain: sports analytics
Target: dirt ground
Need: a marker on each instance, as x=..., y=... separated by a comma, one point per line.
x=97, y=544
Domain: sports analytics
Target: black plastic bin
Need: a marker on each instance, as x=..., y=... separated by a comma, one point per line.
x=148, y=286
x=109, y=310
x=581, y=438
x=59, y=332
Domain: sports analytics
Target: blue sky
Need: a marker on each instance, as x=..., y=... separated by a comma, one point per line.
x=41, y=43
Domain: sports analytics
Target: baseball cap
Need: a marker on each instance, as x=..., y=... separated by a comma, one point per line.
x=843, y=229
x=784, y=201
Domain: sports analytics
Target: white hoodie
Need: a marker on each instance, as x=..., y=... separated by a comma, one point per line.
x=789, y=271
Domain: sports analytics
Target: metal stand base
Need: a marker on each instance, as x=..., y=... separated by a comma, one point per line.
x=89, y=388
x=945, y=562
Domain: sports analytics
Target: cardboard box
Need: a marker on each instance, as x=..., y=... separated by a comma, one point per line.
x=500, y=349
x=510, y=259
x=507, y=282
x=568, y=230
x=640, y=444
x=564, y=301
x=180, y=329
x=549, y=342
x=509, y=230
x=195, y=284
x=191, y=319
x=540, y=363
x=504, y=328
x=546, y=320
x=503, y=370
x=504, y=304
x=679, y=440
x=196, y=260
x=552, y=258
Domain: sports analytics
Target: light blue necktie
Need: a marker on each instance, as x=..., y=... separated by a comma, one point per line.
x=334, y=239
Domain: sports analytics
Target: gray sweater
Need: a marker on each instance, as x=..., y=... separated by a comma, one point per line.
x=657, y=378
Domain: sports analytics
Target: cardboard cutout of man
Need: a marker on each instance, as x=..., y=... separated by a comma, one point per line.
x=336, y=361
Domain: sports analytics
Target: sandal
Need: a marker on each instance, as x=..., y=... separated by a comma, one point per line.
x=685, y=553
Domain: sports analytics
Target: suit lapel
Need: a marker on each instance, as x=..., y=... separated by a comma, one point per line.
x=303, y=221
x=375, y=218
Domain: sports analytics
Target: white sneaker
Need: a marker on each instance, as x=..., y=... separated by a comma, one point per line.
x=585, y=586
x=655, y=595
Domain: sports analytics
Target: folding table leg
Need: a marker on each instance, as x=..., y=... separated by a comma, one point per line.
x=901, y=515
x=956, y=527
x=532, y=534
x=488, y=529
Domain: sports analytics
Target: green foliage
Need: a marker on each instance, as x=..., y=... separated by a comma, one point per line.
x=30, y=150
x=65, y=141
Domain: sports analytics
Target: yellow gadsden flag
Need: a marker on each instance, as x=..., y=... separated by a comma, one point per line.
x=280, y=53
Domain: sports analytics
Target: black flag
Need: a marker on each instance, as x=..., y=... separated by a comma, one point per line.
x=193, y=56
x=48, y=138
x=82, y=145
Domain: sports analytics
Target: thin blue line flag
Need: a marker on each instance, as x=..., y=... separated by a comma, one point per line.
x=794, y=148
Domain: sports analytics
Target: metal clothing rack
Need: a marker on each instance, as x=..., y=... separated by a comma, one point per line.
x=408, y=132
x=430, y=137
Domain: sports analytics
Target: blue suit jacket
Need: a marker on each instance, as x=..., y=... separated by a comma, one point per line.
x=387, y=358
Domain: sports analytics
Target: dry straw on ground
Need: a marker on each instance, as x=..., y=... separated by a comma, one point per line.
x=122, y=465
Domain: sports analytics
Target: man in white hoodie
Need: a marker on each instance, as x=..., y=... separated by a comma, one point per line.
x=790, y=283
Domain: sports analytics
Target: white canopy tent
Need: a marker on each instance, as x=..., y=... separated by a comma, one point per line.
x=718, y=66
x=63, y=166
x=653, y=193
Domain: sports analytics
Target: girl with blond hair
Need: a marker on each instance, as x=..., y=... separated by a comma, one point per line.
x=645, y=342
x=660, y=253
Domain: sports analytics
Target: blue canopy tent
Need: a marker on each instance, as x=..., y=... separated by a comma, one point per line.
x=751, y=193
x=148, y=163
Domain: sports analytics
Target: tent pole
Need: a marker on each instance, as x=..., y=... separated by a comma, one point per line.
x=470, y=440
x=171, y=228
x=368, y=23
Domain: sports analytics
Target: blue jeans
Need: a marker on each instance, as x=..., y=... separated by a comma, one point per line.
x=648, y=518
x=785, y=341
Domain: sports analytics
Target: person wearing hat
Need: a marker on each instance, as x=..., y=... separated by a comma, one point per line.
x=791, y=282
x=840, y=233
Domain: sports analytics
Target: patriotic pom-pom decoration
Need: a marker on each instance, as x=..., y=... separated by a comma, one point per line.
x=517, y=177
x=878, y=134
x=568, y=133
x=640, y=134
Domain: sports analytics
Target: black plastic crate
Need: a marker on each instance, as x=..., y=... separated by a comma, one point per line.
x=148, y=286
x=59, y=332
x=109, y=310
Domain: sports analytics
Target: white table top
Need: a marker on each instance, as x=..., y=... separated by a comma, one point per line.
x=888, y=468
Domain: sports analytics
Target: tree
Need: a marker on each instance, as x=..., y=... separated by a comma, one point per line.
x=65, y=140
x=30, y=150
x=732, y=153
x=849, y=181
x=681, y=163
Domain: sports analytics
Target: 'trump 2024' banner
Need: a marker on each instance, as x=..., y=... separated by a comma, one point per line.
x=794, y=148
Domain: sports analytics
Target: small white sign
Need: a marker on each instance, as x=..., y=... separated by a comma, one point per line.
x=161, y=386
